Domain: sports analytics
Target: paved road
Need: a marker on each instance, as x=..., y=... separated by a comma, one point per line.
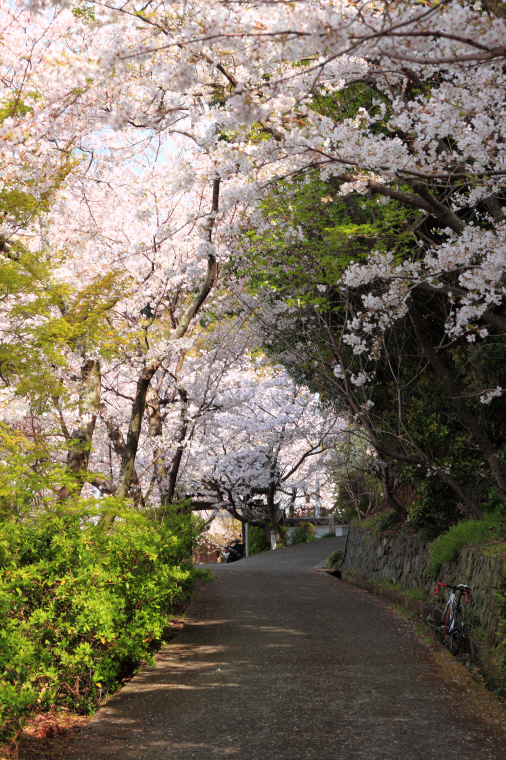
x=280, y=662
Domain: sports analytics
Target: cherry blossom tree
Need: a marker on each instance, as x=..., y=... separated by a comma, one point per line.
x=267, y=441
x=122, y=291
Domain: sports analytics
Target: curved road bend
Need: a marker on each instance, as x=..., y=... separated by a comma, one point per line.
x=279, y=662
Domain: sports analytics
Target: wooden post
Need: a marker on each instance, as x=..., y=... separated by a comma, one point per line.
x=246, y=537
x=332, y=525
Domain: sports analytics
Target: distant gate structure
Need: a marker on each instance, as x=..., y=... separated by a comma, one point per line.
x=323, y=525
x=206, y=552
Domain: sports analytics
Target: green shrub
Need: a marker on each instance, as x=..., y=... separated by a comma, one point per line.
x=258, y=541
x=81, y=607
x=388, y=521
x=435, y=510
x=447, y=546
x=416, y=593
x=303, y=533
x=284, y=536
x=370, y=523
x=494, y=502
x=380, y=522
x=335, y=558
x=328, y=535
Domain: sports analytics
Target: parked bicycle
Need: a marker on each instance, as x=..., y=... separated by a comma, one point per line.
x=453, y=627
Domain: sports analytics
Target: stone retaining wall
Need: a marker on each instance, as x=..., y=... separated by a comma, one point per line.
x=403, y=562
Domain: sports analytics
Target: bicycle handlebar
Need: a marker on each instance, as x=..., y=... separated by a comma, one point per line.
x=461, y=587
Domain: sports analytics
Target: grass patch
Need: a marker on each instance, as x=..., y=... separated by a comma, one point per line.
x=386, y=584
x=422, y=631
x=381, y=522
x=335, y=558
x=371, y=523
x=417, y=593
x=402, y=611
x=389, y=521
x=303, y=533
x=496, y=548
x=467, y=533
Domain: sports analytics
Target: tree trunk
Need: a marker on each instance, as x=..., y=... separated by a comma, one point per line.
x=81, y=439
x=291, y=506
x=390, y=500
x=155, y=434
x=139, y=403
x=176, y=460
x=134, y=429
x=392, y=454
x=272, y=512
x=118, y=445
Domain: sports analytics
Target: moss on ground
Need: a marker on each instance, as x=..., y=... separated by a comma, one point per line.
x=418, y=594
x=402, y=611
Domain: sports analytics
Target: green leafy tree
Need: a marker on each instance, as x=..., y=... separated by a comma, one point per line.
x=398, y=399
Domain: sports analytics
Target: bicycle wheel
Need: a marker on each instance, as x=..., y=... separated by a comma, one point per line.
x=457, y=632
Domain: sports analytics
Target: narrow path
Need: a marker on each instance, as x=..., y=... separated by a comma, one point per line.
x=280, y=662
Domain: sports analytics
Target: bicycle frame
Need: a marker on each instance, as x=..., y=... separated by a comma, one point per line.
x=449, y=613
x=451, y=625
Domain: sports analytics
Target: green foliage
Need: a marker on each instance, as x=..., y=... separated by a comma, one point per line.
x=84, y=12
x=258, y=541
x=446, y=548
x=359, y=491
x=417, y=593
x=371, y=523
x=81, y=607
x=348, y=102
x=311, y=235
x=328, y=240
x=335, y=558
x=302, y=534
x=494, y=502
x=381, y=522
x=45, y=317
x=17, y=106
x=29, y=476
x=284, y=536
x=434, y=511
x=388, y=521
x=48, y=318
x=22, y=204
